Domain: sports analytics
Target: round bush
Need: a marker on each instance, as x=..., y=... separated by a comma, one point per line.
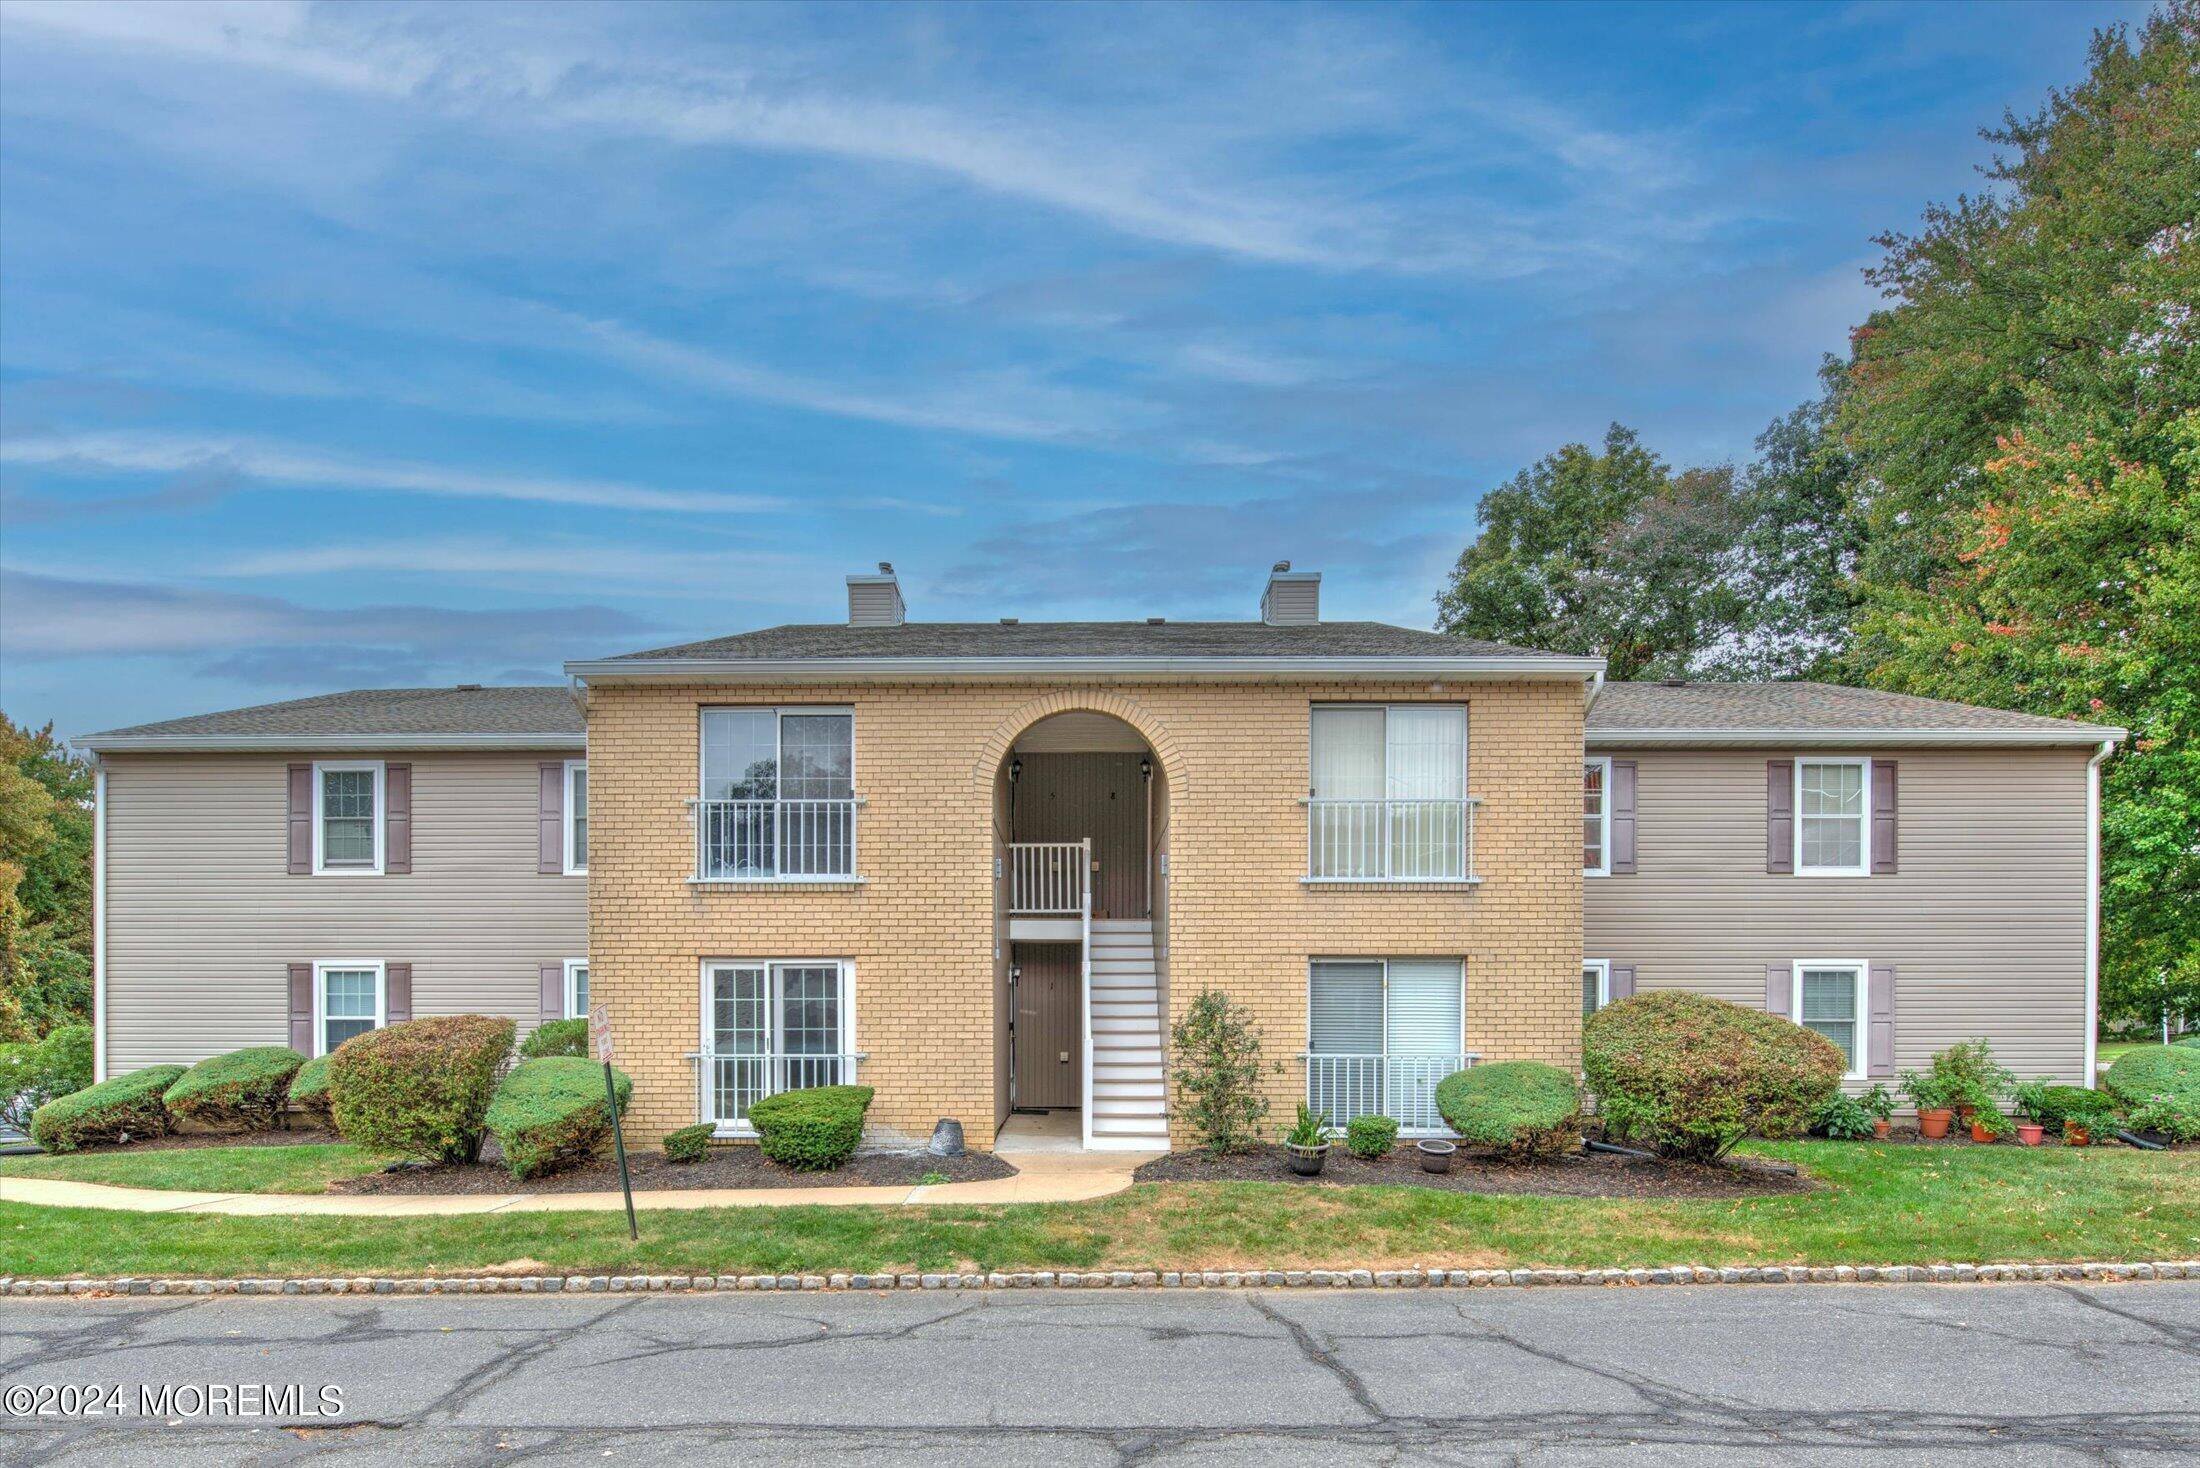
x=550, y=1114
x=811, y=1130
x=1371, y=1136
x=556, y=1037
x=1526, y=1109
x=689, y=1143
x=2160, y=1086
x=421, y=1088
x=309, y=1090
x=245, y=1088
x=125, y=1109
x=1691, y=1076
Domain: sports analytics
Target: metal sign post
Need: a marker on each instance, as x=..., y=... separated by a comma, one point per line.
x=599, y=1026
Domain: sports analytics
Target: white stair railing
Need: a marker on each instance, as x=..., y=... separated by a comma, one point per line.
x=1049, y=877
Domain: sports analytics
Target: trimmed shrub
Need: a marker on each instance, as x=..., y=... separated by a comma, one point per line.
x=550, y=1114
x=421, y=1088
x=2051, y=1105
x=1371, y=1136
x=2160, y=1086
x=1217, y=1073
x=1525, y=1109
x=811, y=1130
x=309, y=1090
x=125, y=1109
x=33, y=1072
x=245, y=1088
x=689, y=1143
x=556, y=1037
x=1691, y=1076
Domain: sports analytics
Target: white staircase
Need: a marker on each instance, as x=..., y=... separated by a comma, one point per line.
x=1126, y=1109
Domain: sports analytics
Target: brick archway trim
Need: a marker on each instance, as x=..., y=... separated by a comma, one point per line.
x=1084, y=701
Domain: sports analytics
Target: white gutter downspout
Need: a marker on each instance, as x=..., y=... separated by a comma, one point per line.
x=2093, y=909
x=99, y=922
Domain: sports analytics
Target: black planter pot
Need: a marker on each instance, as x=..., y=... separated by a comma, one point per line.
x=1435, y=1155
x=1307, y=1161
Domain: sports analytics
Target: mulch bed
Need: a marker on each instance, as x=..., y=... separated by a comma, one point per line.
x=721, y=1167
x=1583, y=1175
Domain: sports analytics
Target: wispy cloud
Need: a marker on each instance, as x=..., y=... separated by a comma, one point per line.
x=157, y=453
x=732, y=574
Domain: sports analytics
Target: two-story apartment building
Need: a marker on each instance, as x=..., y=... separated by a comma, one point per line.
x=983, y=866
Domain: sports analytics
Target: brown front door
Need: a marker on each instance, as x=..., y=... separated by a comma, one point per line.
x=1049, y=1053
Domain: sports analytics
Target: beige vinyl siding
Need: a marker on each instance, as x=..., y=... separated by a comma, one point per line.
x=203, y=917
x=1985, y=923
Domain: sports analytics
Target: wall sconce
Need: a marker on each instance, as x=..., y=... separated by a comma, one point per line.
x=1145, y=767
x=1015, y=769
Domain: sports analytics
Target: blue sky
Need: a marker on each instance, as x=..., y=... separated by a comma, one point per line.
x=406, y=345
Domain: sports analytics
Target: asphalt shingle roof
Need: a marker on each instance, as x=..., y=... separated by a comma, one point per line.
x=1802, y=708
x=1086, y=640
x=548, y=710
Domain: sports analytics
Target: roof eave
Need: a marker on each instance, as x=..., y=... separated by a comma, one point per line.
x=361, y=743
x=2076, y=736
x=1112, y=669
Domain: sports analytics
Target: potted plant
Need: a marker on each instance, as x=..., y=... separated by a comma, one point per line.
x=1878, y=1102
x=1308, y=1141
x=2077, y=1131
x=1975, y=1079
x=1934, y=1099
x=2035, y=1107
x=1436, y=1154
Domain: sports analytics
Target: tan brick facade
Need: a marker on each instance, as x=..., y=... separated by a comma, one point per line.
x=921, y=929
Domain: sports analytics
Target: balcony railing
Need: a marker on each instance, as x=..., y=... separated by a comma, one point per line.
x=775, y=840
x=1401, y=1087
x=1048, y=878
x=731, y=1083
x=1390, y=840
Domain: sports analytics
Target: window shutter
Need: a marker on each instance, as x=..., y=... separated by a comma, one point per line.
x=1881, y=1041
x=397, y=815
x=1884, y=823
x=1623, y=818
x=1621, y=982
x=1780, y=816
x=1780, y=989
x=553, y=991
x=1424, y=1007
x=550, y=820
x=397, y=993
x=301, y=832
x=1345, y=1009
x=301, y=1008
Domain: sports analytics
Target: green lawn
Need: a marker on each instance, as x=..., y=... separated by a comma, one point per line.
x=1882, y=1205
x=206, y=1169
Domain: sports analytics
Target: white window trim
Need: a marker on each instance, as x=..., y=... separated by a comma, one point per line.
x=1864, y=838
x=1859, y=970
x=848, y=1045
x=574, y=967
x=321, y=968
x=1604, y=835
x=321, y=868
x=1603, y=966
x=571, y=766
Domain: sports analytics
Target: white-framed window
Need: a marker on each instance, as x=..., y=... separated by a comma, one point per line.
x=1833, y=835
x=1596, y=817
x=772, y=1025
x=576, y=817
x=1830, y=998
x=777, y=798
x=1596, y=985
x=576, y=988
x=1387, y=793
x=349, y=998
x=347, y=818
x=1380, y=1034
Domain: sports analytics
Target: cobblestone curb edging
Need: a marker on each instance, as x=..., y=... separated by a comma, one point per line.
x=1231, y=1279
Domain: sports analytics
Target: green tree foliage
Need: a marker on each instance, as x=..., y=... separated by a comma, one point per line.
x=1220, y=1097
x=45, y=883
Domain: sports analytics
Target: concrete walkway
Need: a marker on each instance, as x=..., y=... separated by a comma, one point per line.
x=1070, y=1177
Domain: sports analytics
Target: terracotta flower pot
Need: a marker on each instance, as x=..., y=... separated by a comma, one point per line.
x=1307, y=1161
x=2076, y=1134
x=1882, y=1128
x=1965, y=1111
x=1933, y=1125
x=1981, y=1133
x=2030, y=1133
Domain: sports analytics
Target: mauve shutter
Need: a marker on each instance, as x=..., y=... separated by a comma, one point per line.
x=1881, y=1042
x=553, y=991
x=1780, y=989
x=397, y=811
x=1622, y=982
x=397, y=993
x=1884, y=823
x=301, y=1008
x=1780, y=816
x=301, y=823
x=1623, y=817
x=550, y=820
